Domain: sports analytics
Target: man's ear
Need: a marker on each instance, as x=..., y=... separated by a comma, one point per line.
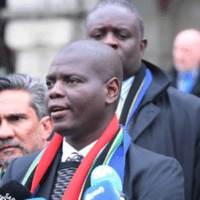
x=112, y=90
x=143, y=46
x=47, y=127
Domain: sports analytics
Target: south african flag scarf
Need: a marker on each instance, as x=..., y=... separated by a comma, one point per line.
x=115, y=158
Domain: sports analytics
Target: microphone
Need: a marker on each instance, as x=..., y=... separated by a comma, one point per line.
x=14, y=190
x=105, y=184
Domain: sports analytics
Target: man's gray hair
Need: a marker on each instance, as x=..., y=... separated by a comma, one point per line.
x=29, y=84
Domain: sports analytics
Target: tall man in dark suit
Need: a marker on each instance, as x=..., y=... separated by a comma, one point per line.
x=186, y=54
x=158, y=117
x=84, y=83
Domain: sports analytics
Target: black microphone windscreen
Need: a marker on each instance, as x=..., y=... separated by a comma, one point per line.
x=14, y=189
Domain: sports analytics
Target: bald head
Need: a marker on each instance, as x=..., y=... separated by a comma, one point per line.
x=186, y=50
x=105, y=61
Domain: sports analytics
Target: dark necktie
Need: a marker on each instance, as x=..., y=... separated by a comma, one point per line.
x=64, y=174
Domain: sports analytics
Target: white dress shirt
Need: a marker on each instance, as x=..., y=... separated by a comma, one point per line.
x=68, y=150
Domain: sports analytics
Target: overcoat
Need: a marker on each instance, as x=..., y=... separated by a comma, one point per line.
x=168, y=122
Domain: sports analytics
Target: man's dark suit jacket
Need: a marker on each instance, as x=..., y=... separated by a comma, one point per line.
x=196, y=89
x=168, y=122
x=148, y=176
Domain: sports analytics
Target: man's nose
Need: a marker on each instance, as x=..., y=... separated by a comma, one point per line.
x=6, y=130
x=111, y=40
x=56, y=91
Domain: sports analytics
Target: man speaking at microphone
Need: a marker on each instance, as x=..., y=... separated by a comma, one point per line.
x=84, y=82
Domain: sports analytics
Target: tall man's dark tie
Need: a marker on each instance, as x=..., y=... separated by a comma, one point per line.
x=188, y=82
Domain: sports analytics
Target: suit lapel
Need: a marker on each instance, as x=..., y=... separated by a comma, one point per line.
x=143, y=120
x=47, y=183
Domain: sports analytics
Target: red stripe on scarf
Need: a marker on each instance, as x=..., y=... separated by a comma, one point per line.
x=74, y=188
x=46, y=160
x=75, y=185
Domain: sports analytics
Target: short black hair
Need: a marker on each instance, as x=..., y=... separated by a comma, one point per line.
x=125, y=4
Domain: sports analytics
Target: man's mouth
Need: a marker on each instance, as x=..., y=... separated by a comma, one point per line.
x=58, y=111
x=8, y=147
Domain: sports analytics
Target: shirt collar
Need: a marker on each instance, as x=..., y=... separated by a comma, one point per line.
x=67, y=150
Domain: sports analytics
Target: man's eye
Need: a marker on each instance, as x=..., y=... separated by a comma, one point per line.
x=72, y=81
x=97, y=36
x=49, y=83
x=15, y=118
x=122, y=36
